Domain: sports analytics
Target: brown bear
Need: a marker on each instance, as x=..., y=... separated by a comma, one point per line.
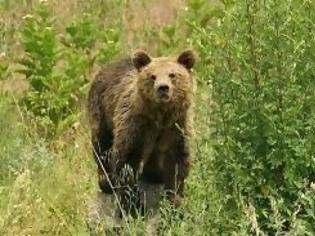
x=140, y=111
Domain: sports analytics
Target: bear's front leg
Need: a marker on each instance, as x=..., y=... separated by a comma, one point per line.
x=102, y=142
x=176, y=169
x=127, y=152
x=128, y=191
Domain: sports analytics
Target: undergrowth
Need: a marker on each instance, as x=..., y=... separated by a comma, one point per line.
x=253, y=168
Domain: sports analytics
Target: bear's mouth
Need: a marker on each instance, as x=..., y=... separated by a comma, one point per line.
x=162, y=98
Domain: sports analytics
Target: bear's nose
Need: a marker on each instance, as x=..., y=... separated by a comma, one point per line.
x=163, y=88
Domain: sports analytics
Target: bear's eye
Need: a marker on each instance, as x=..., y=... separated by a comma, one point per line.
x=172, y=75
x=153, y=77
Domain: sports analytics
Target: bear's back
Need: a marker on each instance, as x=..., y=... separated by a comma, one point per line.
x=108, y=86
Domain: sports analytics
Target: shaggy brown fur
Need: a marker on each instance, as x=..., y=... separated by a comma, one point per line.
x=140, y=110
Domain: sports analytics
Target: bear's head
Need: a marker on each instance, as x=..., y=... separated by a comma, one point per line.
x=165, y=79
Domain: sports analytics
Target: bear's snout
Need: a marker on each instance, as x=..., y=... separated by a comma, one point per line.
x=163, y=89
x=163, y=92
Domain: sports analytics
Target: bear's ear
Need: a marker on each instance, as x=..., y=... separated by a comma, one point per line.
x=187, y=58
x=140, y=59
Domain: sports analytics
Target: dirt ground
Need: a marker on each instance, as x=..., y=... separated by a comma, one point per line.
x=104, y=212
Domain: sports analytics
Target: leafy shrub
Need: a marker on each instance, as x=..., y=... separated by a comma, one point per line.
x=57, y=68
x=260, y=66
x=86, y=36
x=110, y=45
x=56, y=75
x=81, y=34
x=40, y=44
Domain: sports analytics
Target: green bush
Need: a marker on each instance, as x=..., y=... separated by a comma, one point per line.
x=110, y=45
x=58, y=67
x=40, y=44
x=260, y=64
x=57, y=74
x=81, y=34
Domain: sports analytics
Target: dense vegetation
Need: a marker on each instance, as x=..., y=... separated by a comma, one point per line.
x=254, y=152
